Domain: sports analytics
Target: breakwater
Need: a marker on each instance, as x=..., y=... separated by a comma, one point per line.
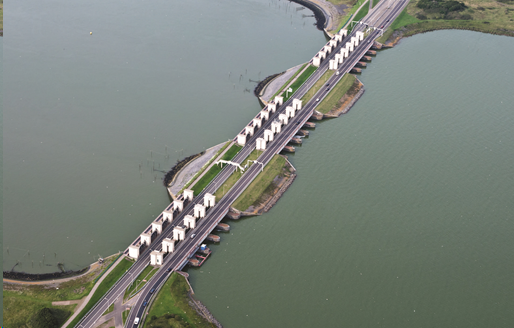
x=260, y=86
x=321, y=20
x=23, y=276
x=170, y=175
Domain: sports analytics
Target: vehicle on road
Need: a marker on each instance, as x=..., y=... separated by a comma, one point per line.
x=152, y=290
x=168, y=270
x=145, y=303
x=317, y=99
x=193, y=235
x=136, y=321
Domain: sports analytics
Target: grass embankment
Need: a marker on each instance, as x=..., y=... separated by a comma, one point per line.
x=288, y=81
x=375, y=2
x=215, y=170
x=319, y=84
x=140, y=281
x=495, y=17
x=344, y=20
x=106, y=284
x=334, y=99
x=204, y=167
x=124, y=316
x=358, y=16
x=109, y=309
x=23, y=301
x=299, y=81
x=171, y=307
x=262, y=186
x=231, y=181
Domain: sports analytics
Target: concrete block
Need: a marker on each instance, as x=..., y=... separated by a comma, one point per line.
x=332, y=64
x=157, y=226
x=276, y=127
x=283, y=119
x=316, y=61
x=290, y=111
x=264, y=115
x=146, y=239
x=167, y=216
x=260, y=144
x=360, y=35
x=249, y=130
x=134, y=251
x=179, y=233
x=189, y=194
x=343, y=32
x=322, y=54
x=190, y=221
x=297, y=104
x=199, y=211
x=241, y=139
x=257, y=123
x=268, y=135
x=178, y=205
x=279, y=100
x=156, y=258
x=332, y=43
x=209, y=200
x=168, y=245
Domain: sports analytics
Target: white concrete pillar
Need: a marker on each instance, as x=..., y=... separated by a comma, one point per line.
x=344, y=52
x=268, y=135
x=134, y=251
x=199, y=211
x=322, y=54
x=167, y=216
x=249, y=130
x=279, y=100
x=156, y=258
x=297, y=104
x=157, y=226
x=260, y=144
x=264, y=114
x=257, y=122
x=339, y=58
x=272, y=107
x=189, y=194
x=360, y=35
x=332, y=64
x=179, y=233
x=190, y=221
x=146, y=238
x=168, y=245
x=178, y=204
x=316, y=61
x=283, y=119
x=327, y=48
x=290, y=111
x=276, y=127
x=241, y=139
x=332, y=43
x=355, y=40
x=338, y=37
x=349, y=46
x=343, y=32
x=209, y=200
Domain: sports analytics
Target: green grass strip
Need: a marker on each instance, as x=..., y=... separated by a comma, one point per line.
x=171, y=307
x=402, y=20
x=288, y=81
x=262, y=184
x=299, y=81
x=100, y=275
x=360, y=15
x=137, y=284
x=375, y=2
x=105, y=285
x=215, y=170
x=345, y=19
x=319, y=84
x=335, y=95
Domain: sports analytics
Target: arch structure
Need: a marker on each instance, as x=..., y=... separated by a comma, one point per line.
x=222, y=161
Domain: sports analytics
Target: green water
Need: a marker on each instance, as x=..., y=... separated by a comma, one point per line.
x=402, y=212
x=84, y=111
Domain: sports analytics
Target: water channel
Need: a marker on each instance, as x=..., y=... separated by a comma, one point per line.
x=402, y=212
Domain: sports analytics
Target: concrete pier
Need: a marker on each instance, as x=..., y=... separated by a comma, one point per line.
x=213, y=238
x=309, y=125
x=289, y=149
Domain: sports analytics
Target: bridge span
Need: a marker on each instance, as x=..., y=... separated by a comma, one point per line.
x=291, y=120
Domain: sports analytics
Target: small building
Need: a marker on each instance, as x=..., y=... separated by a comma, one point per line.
x=260, y=144
x=257, y=122
x=146, y=239
x=249, y=130
x=279, y=100
x=189, y=194
x=241, y=139
x=179, y=233
x=168, y=245
x=178, y=205
x=199, y=211
x=283, y=119
x=156, y=258
x=134, y=251
x=297, y=104
x=167, y=216
x=209, y=200
x=276, y=127
x=268, y=135
x=157, y=226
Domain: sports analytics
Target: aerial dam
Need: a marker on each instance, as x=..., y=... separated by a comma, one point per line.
x=176, y=234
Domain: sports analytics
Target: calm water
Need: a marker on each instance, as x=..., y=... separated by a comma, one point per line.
x=402, y=213
x=84, y=111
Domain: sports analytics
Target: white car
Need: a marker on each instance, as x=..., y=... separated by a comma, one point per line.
x=193, y=235
x=136, y=321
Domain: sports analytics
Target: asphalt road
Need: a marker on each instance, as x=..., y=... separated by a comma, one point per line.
x=381, y=15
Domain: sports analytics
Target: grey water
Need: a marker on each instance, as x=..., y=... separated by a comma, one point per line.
x=402, y=212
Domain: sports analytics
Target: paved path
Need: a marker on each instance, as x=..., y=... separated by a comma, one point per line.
x=92, y=267
x=88, y=297
x=278, y=82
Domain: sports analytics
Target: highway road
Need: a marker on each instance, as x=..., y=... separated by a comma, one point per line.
x=381, y=15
